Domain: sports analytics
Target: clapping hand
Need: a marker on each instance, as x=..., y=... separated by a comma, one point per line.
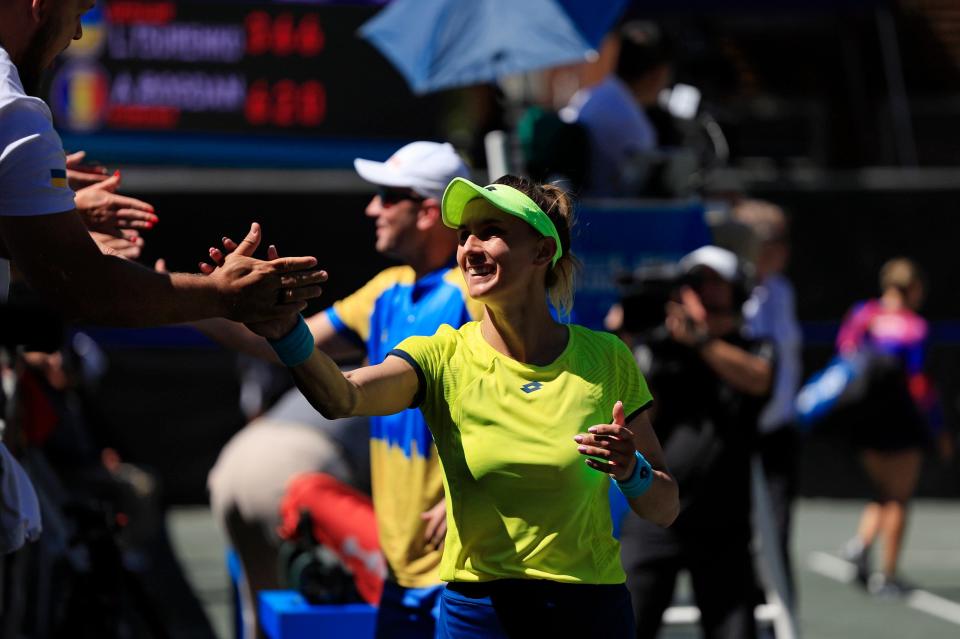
x=128, y=246
x=612, y=443
x=296, y=284
x=80, y=175
x=105, y=211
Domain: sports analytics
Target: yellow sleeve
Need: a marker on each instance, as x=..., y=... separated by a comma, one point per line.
x=429, y=357
x=353, y=312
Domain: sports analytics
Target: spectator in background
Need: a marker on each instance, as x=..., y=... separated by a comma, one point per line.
x=614, y=111
x=896, y=415
x=250, y=476
x=771, y=314
x=709, y=383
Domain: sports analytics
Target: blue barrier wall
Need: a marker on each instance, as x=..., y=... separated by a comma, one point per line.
x=618, y=237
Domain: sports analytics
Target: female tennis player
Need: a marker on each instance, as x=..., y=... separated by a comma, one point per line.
x=514, y=403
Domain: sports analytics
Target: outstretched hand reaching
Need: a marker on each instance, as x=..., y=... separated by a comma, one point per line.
x=274, y=328
x=262, y=292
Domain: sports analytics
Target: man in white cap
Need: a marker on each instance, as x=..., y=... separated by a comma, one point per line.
x=252, y=472
x=710, y=383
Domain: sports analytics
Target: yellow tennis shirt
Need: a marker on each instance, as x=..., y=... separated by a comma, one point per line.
x=521, y=502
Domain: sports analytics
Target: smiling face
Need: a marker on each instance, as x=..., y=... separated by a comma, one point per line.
x=396, y=223
x=500, y=255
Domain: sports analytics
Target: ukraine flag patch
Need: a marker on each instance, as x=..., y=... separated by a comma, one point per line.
x=58, y=178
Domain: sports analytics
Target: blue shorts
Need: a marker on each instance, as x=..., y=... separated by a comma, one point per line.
x=534, y=608
x=408, y=613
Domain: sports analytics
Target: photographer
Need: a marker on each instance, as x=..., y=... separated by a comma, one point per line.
x=709, y=383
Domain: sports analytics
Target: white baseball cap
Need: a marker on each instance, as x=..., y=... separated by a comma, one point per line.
x=719, y=260
x=425, y=167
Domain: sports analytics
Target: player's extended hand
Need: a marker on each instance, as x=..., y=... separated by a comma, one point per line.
x=128, y=246
x=275, y=328
x=257, y=291
x=80, y=175
x=217, y=256
x=436, y=529
x=612, y=443
x=105, y=211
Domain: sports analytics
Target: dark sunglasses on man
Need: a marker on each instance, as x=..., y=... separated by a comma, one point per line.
x=392, y=195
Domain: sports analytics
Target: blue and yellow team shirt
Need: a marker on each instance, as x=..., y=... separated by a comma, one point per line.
x=521, y=502
x=405, y=474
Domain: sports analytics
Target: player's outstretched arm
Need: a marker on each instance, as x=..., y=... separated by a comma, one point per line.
x=238, y=337
x=58, y=258
x=383, y=389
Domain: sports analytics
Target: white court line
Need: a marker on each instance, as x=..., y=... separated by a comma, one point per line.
x=845, y=572
x=832, y=567
x=934, y=605
x=688, y=615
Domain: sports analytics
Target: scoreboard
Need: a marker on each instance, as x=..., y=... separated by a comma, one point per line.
x=283, y=71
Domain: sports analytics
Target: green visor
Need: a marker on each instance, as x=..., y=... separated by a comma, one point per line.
x=506, y=198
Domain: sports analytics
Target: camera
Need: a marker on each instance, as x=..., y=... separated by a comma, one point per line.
x=312, y=569
x=644, y=294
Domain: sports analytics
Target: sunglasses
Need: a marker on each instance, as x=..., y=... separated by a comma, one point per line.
x=390, y=196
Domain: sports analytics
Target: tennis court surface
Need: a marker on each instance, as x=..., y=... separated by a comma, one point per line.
x=831, y=607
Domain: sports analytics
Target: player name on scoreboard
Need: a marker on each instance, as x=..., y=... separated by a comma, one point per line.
x=221, y=67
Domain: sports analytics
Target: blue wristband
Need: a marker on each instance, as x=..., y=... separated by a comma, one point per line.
x=295, y=347
x=639, y=481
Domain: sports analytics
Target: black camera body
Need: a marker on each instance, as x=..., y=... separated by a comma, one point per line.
x=645, y=292
x=644, y=295
x=312, y=569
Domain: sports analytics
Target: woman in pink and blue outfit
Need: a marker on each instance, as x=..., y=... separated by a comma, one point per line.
x=899, y=414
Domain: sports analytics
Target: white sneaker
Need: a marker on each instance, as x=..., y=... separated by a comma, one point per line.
x=883, y=587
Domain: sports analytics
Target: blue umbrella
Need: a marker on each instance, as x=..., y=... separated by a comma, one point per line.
x=437, y=44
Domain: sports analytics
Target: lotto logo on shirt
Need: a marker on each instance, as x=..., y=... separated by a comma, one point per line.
x=58, y=178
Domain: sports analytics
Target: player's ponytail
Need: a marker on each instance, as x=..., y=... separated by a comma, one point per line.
x=558, y=206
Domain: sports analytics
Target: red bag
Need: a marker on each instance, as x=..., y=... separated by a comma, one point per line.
x=343, y=521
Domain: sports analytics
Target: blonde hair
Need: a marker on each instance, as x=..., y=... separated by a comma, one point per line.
x=556, y=203
x=767, y=220
x=900, y=273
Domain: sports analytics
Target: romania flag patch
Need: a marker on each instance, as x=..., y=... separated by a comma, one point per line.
x=58, y=178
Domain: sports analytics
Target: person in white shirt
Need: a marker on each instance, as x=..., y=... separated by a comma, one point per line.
x=613, y=111
x=770, y=313
x=45, y=238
